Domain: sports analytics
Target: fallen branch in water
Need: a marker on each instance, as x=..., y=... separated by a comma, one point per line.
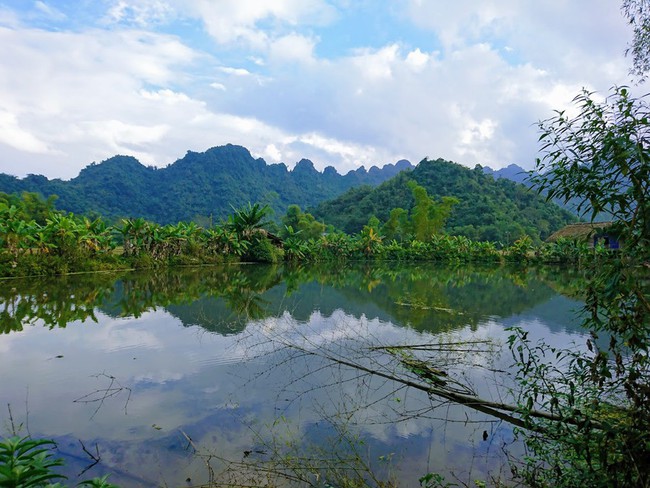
x=442, y=389
x=95, y=459
x=101, y=395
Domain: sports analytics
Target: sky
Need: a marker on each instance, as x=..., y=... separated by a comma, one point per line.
x=343, y=83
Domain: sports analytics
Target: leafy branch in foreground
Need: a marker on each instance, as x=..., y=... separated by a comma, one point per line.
x=600, y=158
x=27, y=463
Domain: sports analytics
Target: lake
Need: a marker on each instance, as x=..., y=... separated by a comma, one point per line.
x=254, y=374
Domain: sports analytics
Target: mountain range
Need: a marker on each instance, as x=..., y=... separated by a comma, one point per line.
x=489, y=207
x=205, y=187
x=512, y=172
x=197, y=187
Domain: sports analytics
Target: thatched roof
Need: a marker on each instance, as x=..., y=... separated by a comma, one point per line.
x=271, y=237
x=583, y=231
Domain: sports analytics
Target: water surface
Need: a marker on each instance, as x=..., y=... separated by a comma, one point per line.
x=177, y=376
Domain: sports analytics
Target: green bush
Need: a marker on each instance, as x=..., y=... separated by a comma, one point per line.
x=263, y=251
x=26, y=463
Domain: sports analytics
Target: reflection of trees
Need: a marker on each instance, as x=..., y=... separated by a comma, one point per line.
x=221, y=299
x=570, y=282
x=54, y=301
x=76, y=297
x=355, y=381
x=225, y=298
x=428, y=297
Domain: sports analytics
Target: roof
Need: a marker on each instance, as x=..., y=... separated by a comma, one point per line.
x=581, y=231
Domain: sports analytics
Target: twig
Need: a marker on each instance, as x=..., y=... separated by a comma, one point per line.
x=106, y=393
x=11, y=421
x=95, y=459
x=428, y=346
x=496, y=409
x=27, y=412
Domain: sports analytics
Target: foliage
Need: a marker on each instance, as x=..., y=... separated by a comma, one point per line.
x=68, y=243
x=303, y=225
x=486, y=210
x=262, y=250
x=26, y=463
x=369, y=241
x=600, y=395
x=397, y=225
x=520, y=249
x=295, y=248
x=30, y=205
x=427, y=217
x=638, y=15
x=200, y=186
x=600, y=158
x=247, y=220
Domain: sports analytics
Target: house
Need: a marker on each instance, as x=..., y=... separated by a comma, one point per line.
x=596, y=233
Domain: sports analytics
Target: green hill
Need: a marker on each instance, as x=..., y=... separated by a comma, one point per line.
x=200, y=186
x=488, y=209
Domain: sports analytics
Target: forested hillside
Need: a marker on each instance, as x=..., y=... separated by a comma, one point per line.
x=488, y=209
x=201, y=186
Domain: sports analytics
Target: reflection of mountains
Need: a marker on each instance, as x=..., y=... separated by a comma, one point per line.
x=225, y=299
x=425, y=297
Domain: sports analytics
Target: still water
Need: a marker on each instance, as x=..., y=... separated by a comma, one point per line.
x=251, y=374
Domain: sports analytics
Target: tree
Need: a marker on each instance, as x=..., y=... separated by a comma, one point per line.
x=428, y=218
x=638, y=15
x=304, y=225
x=601, y=159
x=396, y=227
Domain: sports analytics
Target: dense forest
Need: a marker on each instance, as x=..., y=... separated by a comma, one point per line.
x=488, y=209
x=206, y=187
x=203, y=187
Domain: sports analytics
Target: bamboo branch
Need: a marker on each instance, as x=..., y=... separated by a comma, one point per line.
x=496, y=409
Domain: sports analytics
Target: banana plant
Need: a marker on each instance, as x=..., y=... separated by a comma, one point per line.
x=247, y=220
x=15, y=233
x=294, y=247
x=369, y=241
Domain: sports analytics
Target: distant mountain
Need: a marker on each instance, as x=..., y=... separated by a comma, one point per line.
x=520, y=175
x=512, y=172
x=200, y=186
x=489, y=209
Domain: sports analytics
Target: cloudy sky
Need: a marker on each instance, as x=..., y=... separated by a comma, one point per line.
x=341, y=82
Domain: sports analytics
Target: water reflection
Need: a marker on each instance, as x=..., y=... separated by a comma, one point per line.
x=210, y=353
x=224, y=299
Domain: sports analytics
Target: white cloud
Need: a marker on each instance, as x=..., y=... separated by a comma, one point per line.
x=238, y=22
x=83, y=95
x=234, y=71
x=264, y=80
x=273, y=153
x=13, y=135
x=8, y=18
x=140, y=12
x=417, y=60
x=49, y=11
x=292, y=47
x=376, y=65
x=121, y=137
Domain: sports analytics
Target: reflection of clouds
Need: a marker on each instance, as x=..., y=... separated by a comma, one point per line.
x=117, y=334
x=158, y=377
x=140, y=353
x=385, y=415
x=224, y=389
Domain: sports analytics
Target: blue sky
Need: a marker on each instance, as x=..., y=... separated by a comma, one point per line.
x=341, y=82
